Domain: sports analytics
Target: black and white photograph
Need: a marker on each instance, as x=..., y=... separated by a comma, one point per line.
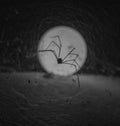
x=59, y=63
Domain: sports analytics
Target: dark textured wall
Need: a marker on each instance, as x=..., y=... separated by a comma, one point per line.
x=23, y=24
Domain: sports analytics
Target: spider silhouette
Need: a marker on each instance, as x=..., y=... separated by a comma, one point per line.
x=63, y=60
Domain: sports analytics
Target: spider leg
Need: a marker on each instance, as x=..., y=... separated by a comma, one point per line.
x=76, y=56
x=60, y=47
x=74, y=60
x=76, y=63
x=55, y=44
x=76, y=74
x=68, y=54
x=52, y=51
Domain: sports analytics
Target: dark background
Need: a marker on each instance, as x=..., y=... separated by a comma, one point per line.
x=23, y=23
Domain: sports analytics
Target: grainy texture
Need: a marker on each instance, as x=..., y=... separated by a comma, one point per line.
x=30, y=99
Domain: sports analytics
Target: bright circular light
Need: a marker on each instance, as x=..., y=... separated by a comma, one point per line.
x=66, y=44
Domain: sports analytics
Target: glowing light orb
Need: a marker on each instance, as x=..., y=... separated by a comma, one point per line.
x=62, y=51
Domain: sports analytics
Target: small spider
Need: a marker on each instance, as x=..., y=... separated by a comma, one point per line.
x=64, y=60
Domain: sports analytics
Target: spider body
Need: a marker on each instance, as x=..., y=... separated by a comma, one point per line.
x=65, y=60
x=59, y=61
